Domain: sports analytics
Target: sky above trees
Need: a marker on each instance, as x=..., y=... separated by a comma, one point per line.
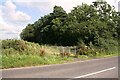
x=16, y=14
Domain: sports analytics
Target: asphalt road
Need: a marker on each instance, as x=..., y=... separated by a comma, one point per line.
x=96, y=68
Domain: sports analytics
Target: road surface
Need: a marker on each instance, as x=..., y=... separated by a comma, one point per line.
x=96, y=68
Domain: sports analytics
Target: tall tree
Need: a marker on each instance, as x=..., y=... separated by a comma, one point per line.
x=97, y=24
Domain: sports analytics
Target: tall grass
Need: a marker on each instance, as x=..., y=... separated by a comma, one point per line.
x=31, y=60
x=10, y=47
x=19, y=53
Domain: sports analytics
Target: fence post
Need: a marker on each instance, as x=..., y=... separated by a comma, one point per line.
x=75, y=50
x=69, y=50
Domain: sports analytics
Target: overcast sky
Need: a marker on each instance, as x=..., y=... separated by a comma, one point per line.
x=16, y=14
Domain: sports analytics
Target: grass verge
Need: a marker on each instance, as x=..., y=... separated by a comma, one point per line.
x=19, y=53
x=13, y=61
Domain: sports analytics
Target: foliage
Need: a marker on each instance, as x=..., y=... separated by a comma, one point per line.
x=20, y=53
x=12, y=61
x=96, y=24
x=11, y=47
x=13, y=55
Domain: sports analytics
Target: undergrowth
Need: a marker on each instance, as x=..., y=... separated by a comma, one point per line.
x=20, y=53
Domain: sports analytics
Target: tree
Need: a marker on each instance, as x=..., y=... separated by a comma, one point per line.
x=95, y=24
x=28, y=33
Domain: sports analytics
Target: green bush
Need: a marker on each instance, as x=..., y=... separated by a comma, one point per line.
x=15, y=44
x=11, y=47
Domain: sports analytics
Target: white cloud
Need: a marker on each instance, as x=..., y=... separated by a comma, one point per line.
x=119, y=6
x=8, y=31
x=10, y=13
x=49, y=4
x=69, y=4
x=43, y=6
x=11, y=20
x=9, y=28
x=66, y=4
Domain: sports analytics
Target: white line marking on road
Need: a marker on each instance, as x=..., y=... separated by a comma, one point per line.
x=95, y=73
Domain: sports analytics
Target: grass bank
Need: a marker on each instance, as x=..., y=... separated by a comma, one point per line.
x=19, y=53
x=13, y=61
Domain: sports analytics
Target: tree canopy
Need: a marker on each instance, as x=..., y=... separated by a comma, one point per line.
x=96, y=24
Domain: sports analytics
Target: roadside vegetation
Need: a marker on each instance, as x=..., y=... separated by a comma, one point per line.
x=93, y=29
x=20, y=53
